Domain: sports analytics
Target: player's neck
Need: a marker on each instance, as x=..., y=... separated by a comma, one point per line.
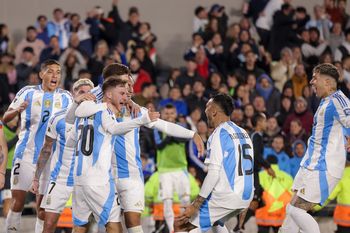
x=330, y=92
x=46, y=89
x=220, y=120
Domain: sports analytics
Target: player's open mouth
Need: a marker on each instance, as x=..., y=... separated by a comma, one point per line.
x=53, y=82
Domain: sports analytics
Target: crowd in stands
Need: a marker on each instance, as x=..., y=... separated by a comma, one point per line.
x=264, y=61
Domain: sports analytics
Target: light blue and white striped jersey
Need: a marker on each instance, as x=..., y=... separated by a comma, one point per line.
x=326, y=145
x=231, y=148
x=94, y=148
x=97, y=91
x=34, y=119
x=126, y=150
x=62, y=159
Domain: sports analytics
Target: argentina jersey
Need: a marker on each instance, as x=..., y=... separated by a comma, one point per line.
x=62, y=160
x=326, y=146
x=97, y=91
x=34, y=119
x=126, y=149
x=230, y=147
x=93, y=149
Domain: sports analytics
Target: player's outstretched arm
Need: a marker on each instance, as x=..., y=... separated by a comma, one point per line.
x=89, y=108
x=112, y=126
x=44, y=156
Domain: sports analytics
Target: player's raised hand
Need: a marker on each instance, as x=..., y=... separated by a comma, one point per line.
x=134, y=108
x=153, y=116
x=84, y=97
x=271, y=172
x=35, y=186
x=199, y=143
x=23, y=106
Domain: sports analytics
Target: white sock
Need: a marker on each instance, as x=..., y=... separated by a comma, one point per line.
x=305, y=221
x=13, y=222
x=137, y=229
x=169, y=214
x=289, y=225
x=219, y=229
x=39, y=225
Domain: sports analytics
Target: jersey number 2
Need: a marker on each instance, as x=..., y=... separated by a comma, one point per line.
x=243, y=150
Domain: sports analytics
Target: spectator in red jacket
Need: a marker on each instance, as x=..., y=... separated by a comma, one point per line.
x=139, y=75
x=302, y=113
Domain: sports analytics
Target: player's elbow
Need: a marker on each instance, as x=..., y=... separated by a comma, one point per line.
x=8, y=116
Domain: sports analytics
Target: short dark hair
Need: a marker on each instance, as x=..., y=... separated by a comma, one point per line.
x=115, y=69
x=168, y=106
x=225, y=102
x=57, y=9
x=198, y=10
x=29, y=28
x=272, y=159
x=111, y=82
x=146, y=85
x=257, y=117
x=41, y=17
x=327, y=69
x=49, y=62
x=133, y=10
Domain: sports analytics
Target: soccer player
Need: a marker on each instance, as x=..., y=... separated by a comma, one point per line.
x=94, y=189
x=35, y=105
x=62, y=163
x=127, y=161
x=228, y=187
x=324, y=161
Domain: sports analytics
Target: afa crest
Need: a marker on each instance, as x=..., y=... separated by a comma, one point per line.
x=47, y=103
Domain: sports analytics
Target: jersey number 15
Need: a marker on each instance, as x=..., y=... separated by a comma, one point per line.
x=242, y=149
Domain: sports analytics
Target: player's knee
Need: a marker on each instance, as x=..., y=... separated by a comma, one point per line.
x=41, y=213
x=132, y=221
x=17, y=204
x=49, y=226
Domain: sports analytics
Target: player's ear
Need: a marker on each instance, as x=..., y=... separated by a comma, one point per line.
x=41, y=74
x=109, y=94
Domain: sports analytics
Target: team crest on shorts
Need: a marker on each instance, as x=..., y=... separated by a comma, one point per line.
x=302, y=191
x=15, y=180
x=47, y=103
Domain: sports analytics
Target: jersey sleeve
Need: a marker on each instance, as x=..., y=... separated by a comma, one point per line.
x=97, y=91
x=214, y=152
x=52, y=128
x=19, y=98
x=342, y=109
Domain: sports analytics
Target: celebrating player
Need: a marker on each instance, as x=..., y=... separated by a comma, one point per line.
x=35, y=105
x=228, y=187
x=324, y=161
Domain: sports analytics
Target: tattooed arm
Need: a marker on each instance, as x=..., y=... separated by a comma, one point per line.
x=44, y=156
x=3, y=158
x=301, y=203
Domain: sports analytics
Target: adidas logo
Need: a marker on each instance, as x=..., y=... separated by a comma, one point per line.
x=139, y=204
x=11, y=229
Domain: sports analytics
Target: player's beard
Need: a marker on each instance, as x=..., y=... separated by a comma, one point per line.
x=210, y=122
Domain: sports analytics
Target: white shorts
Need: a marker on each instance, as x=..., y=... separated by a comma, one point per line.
x=210, y=215
x=171, y=182
x=100, y=201
x=56, y=197
x=22, y=174
x=313, y=185
x=131, y=194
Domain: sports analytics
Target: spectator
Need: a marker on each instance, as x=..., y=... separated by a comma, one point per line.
x=277, y=149
x=299, y=80
x=344, y=49
x=272, y=130
x=216, y=55
x=237, y=116
x=146, y=63
x=72, y=62
x=253, y=8
x=301, y=18
x=298, y=149
x=30, y=41
x=249, y=67
x=200, y=19
x=302, y=113
x=83, y=32
x=25, y=67
x=84, y=74
x=98, y=59
x=189, y=75
x=270, y=94
x=321, y=22
x=197, y=42
x=283, y=31
x=265, y=20
x=241, y=96
x=186, y=91
x=259, y=104
x=203, y=65
x=296, y=132
x=6, y=44
x=176, y=100
x=53, y=51
x=139, y=75
x=147, y=39
x=197, y=98
x=336, y=11
x=41, y=27
x=285, y=110
x=251, y=83
x=232, y=38
x=283, y=70
x=315, y=48
x=8, y=78
x=214, y=84
x=232, y=83
x=148, y=94
x=194, y=117
x=249, y=112
x=218, y=12
x=336, y=38
x=172, y=80
x=59, y=27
